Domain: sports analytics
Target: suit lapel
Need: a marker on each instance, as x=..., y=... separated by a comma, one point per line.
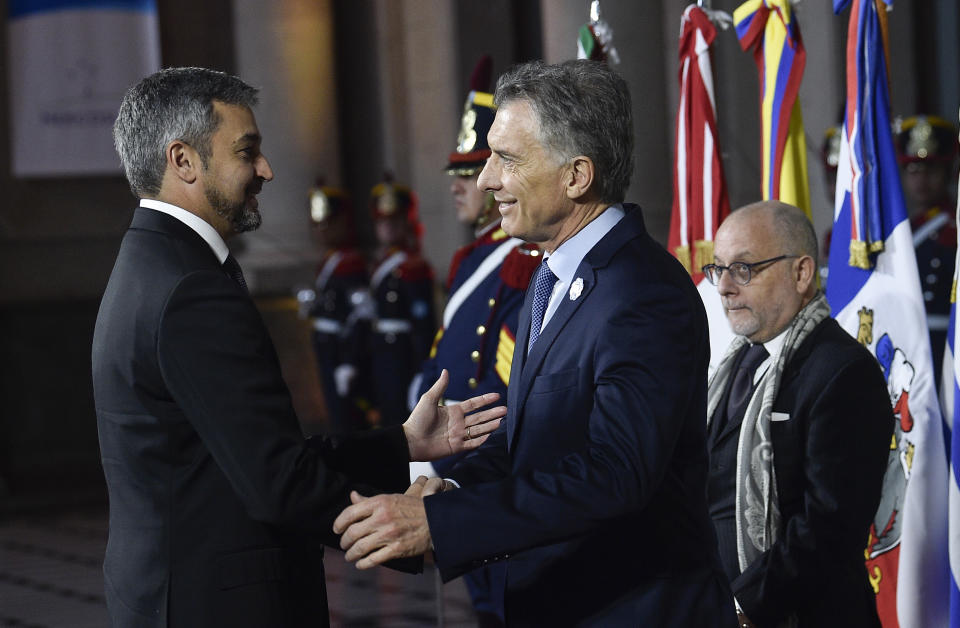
x=521, y=379
x=519, y=359
x=534, y=361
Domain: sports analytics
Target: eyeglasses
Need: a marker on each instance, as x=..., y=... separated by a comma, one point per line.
x=740, y=272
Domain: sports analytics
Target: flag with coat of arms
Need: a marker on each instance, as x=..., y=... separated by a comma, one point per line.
x=874, y=292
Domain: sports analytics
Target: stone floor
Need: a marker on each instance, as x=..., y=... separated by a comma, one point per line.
x=50, y=577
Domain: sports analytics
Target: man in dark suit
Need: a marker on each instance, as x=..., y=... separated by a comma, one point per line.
x=799, y=431
x=218, y=504
x=592, y=493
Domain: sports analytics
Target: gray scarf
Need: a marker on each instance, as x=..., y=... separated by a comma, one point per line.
x=757, y=512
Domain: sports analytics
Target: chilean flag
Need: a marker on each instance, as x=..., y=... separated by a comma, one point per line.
x=874, y=292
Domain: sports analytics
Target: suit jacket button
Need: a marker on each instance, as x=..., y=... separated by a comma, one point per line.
x=475, y=356
x=492, y=302
x=481, y=330
x=472, y=382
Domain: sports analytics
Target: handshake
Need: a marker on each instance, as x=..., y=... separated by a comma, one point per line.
x=385, y=527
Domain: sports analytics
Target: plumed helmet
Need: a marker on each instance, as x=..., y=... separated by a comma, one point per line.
x=478, y=112
x=926, y=138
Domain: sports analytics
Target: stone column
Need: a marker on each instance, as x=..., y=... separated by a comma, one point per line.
x=286, y=48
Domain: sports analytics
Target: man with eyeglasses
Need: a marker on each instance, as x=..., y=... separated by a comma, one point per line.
x=799, y=426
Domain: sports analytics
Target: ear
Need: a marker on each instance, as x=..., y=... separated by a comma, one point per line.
x=183, y=161
x=805, y=273
x=579, y=177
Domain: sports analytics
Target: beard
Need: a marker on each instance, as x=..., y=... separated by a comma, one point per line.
x=241, y=217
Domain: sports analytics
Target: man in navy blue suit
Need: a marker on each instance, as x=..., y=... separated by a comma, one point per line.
x=593, y=491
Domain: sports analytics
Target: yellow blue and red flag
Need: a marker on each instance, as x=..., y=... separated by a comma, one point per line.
x=873, y=289
x=771, y=30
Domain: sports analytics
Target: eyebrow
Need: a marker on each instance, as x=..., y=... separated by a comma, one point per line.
x=736, y=258
x=248, y=138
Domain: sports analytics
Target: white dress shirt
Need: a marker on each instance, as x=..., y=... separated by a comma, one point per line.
x=566, y=259
x=773, y=347
x=198, y=224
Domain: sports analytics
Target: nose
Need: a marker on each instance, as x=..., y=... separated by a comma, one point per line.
x=726, y=285
x=455, y=186
x=264, y=171
x=489, y=179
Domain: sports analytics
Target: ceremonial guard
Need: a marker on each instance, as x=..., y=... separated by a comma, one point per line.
x=402, y=289
x=927, y=149
x=339, y=308
x=485, y=284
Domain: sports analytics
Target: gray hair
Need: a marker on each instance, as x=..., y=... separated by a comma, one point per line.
x=173, y=104
x=795, y=230
x=584, y=109
x=791, y=227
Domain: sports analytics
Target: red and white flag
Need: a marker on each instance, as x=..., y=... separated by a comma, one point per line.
x=700, y=200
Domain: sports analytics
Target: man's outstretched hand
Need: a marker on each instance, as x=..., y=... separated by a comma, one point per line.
x=434, y=431
x=382, y=528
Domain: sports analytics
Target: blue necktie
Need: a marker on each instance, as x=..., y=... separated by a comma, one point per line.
x=232, y=269
x=542, y=289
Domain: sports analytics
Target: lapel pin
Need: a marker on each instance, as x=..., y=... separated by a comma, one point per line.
x=576, y=289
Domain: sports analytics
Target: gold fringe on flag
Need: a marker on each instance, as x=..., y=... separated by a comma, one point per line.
x=860, y=253
x=682, y=253
x=702, y=254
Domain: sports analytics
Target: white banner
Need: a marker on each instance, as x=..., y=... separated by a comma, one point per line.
x=70, y=62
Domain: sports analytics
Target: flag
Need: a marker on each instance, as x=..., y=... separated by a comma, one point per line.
x=874, y=291
x=700, y=200
x=770, y=29
x=595, y=38
x=70, y=62
x=950, y=400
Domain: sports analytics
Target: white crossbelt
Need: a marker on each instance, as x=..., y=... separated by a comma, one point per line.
x=386, y=268
x=929, y=228
x=327, y=325
x=483, y=271
x=328, y=267
x=392, y=326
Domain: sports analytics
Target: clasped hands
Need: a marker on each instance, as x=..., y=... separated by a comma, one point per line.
x=384, y=527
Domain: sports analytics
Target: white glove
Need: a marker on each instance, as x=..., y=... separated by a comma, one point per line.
x=343, y=376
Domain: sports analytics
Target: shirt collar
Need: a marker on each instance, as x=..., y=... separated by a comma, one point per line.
x=774, y=345
x=198, y=224
x=565, y=260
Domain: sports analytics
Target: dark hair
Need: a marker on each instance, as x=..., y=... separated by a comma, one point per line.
x=584, y=109
x=173, y=104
